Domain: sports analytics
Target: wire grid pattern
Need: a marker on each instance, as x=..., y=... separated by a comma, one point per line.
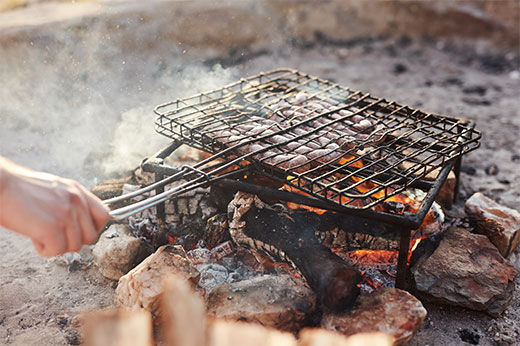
x=262, y=119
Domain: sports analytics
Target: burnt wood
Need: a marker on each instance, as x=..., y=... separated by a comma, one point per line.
x=334, y=281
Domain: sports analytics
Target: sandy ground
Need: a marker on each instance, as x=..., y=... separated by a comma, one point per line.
x=39, y=297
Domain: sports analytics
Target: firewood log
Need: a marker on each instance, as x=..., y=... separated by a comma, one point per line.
x=291, y=238
x=117, y=328
x=227, y=333
x=323, y=337
x=182, y=314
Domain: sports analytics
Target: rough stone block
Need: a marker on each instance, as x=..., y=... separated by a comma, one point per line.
x=500, y=224
x=466, y=270
x=142, y=286
x=390, y=311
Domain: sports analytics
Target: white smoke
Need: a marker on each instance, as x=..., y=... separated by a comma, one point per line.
x=134, y=136
x=78, y=106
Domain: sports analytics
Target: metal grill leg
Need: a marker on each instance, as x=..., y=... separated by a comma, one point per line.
x=402, y=264
x=159, y=208
x=456, y=170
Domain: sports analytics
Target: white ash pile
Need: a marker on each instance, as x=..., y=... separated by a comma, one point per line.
x=225, y=263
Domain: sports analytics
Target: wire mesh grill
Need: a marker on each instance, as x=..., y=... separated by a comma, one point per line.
x=317, y=137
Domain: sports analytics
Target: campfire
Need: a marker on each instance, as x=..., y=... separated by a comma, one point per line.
x=323, y=145
x=280, y=207
x=311, y=190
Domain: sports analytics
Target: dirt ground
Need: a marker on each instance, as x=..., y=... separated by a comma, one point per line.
x=39, y=298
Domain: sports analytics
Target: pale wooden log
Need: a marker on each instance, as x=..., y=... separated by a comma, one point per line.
x=227, y=333
x=323, y=337
x=181, y=313
x=117, y=328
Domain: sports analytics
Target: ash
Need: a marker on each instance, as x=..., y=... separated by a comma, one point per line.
x=224, y=263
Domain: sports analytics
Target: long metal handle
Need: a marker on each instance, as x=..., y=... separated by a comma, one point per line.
x=136, y=207
x=186, y=171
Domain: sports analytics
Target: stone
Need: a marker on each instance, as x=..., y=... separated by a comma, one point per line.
x=324, y=337
x=118, y=250
x=278, y=301
x=500, y=224
x=229, y=333
x=110, y=188
x=141, y=287
x=182, y=314
x=387, y=310
x=117, y=327
x=466, y=270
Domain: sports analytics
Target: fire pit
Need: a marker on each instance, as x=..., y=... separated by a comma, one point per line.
x=313, y=143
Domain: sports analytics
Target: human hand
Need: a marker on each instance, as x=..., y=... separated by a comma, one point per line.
x=59, y=215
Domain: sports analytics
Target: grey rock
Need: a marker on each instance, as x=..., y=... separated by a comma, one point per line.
x=278, y=301
x=118, y=250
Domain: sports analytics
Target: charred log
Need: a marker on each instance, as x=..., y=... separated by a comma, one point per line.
x=290, y=237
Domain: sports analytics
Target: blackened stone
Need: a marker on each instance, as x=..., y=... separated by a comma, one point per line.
x=475, y=89
x=453, y=81
x=278, y=301
x=494, y=63
x=515, y=157
x=428, y=83
x=492, y=169
x=476, y=101
x=404, y=41
x=468, y=170
x=469, y=336
x=400, y=68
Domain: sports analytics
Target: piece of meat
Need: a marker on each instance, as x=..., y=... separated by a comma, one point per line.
x=307, y=130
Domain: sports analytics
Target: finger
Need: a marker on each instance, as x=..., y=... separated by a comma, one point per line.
x=98, y=211
x=86, y=224
x=73, y=231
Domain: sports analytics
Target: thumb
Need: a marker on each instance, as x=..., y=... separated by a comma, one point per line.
x=98, y=211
